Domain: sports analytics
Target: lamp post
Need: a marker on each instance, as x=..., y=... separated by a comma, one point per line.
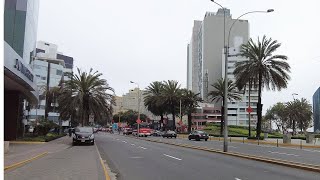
x=226, y=54
x=294, y=94
x=138, y=103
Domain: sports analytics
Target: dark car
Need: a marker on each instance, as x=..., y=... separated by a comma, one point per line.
x=170, y=134
x=157, y=133
x=83, y=135
x=197, y=135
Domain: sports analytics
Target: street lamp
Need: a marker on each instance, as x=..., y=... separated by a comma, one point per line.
x=226, y=52
x=138, y=103
x=294, y=94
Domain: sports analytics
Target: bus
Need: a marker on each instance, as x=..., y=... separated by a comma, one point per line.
x=144, y=129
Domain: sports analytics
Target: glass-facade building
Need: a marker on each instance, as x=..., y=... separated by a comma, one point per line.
x=20, y=33
x=316, y=111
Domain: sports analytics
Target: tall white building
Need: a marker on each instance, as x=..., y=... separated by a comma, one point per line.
x=49, y=68
x=205, y=56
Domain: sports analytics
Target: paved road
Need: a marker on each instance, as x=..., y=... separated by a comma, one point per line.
x=73, y=163
x=291, y=154
x=134, y=159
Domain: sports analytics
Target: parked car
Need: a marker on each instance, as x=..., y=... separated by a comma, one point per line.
x=127, y=131
x=170, y=134
x=83, y=135
x=157, y=133
x=198, y=135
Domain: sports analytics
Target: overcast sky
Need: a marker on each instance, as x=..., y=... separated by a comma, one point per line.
x=146, y=40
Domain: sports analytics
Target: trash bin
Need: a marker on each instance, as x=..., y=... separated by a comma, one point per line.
x=309, y=138
x=287, y=139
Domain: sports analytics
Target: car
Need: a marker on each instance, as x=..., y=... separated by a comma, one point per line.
x=83, y=135
x=170, y=134
x=127, y=131
x=157, y=133
x=198, y=135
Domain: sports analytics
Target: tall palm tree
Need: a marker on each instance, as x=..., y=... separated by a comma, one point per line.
x=263, y=68
x=86, y=93
x=153, y=97
x=189, y=101
x=171, y=98
x=218, y=94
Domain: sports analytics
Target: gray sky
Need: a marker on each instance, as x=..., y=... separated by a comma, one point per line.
x=146, y=40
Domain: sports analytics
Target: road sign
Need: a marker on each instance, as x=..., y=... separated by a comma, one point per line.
x=249, y=110
x=138, y=121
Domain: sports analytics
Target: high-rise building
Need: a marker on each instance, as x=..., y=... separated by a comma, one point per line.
x=50, y=67
x=20, y=32
x=206, y=58
x=316, y=111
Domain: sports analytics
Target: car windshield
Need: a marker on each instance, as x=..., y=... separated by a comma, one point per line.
x=84, y=130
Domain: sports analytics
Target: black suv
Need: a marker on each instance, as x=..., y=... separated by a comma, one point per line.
x=83, y=135
x=197, y=135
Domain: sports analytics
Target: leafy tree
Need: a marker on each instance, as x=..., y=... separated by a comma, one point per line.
x=129, y=117
x=277, y=114
x=218, y=93
x=263, y=68
x=189, y=101
x=85, y=94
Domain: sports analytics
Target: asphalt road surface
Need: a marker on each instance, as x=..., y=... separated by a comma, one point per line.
x=134, y=159
x=308, y=156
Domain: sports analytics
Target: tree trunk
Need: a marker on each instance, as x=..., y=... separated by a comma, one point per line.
x=249, y=106
x=222, y=121
x=174, y=119
x=189, y=122
x=161, y=121
x=259, y=106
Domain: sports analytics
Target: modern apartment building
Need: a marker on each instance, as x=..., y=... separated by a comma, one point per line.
x=20, y=33
x=129, y=101
x=205, y=113
x=205, y=56
x=316, y=111
x=49, y=68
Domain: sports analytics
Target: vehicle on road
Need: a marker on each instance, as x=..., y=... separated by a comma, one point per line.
x=157, y=133
x=83, y=135
x=127, y=131
x=144, y=130
x=198, y=135
x=169, y=134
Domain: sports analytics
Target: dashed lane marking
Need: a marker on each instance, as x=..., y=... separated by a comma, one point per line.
x=172, y=157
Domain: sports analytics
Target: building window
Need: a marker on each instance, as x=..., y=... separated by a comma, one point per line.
x=232, y=108
x=59, y=72
x=242, y=110
x=37, y=75
x=43, y=78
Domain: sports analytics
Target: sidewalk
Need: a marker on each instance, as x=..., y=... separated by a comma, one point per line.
x=22, y=151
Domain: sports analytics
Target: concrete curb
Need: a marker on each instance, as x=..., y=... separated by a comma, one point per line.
x=106, y=174
x=26, y=142
x=260, y=142
x=308, y=167
x=25, y=161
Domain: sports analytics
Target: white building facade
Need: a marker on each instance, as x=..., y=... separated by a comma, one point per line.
x=49, y=68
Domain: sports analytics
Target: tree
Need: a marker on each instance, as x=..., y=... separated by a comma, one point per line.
x=218, y=94
x=153, y=99
x=299, y=113
x=85, y=94
x=129, y=116
x=277, y=115
x=51, y=95
x=263, y=68
x=189, y=101
x=171, y=98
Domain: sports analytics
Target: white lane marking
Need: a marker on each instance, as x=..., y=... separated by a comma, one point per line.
x=124, y=141
x=282, y=153
x=172, y=157
x=118, y=139
x=237, y=179
x=142, y=147
x=136, y=157
x=132, y=144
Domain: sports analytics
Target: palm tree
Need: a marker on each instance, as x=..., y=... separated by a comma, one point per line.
x=171, y=98
x=86, y=93
x=218, y=94
x=50, y=95
x=189, y=101
x=152, y=100
x=263, y=68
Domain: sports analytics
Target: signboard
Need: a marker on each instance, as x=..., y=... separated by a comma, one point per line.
x=138, y=121
x=249, y=110
x=91, y=118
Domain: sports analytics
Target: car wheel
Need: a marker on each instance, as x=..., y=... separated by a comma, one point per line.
x=206, y=139
x=163, y=136
x=92, y=143
x=197, y=138
x=189, y=139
